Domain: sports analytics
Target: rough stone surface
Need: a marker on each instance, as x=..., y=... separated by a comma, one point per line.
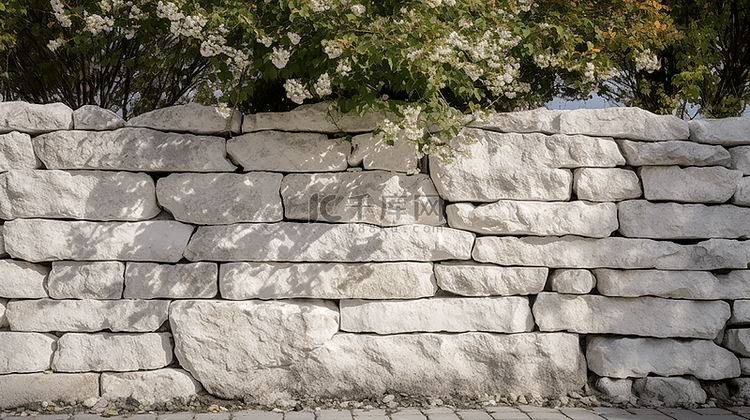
x=132, y=149
x=745, y=366
x=535, y=218
x=646, y=316
x=49, y=240
x=22, y=352
x=220, y=199
x=639, y=357
x=92, y=117
x=740, y=159
x=91, y=195
x=376, y=197
x=373, y=153
x=3, y=318
x=86, y=280
x=742, y=387
x=17, y=152
x=318, y=118
x=665, y=153
x=674, y=284
x=277, y=151
x=643, y=219
x=606, y=184
x=33, y=118
x=3, y=253
x=618, y=390
x=738, y=340
x=624, y=123
x=112, y=352
x=240, y=281
x=19, y=390
x=689, y=185
x=496, y=314
x=540, y=120
x=87, y=315
x=22, y=280
x=741, y=197
x=671, y=392
x=193, y=118
x=471, y=279
x=150, y=387
x=301, y=242
x=725, y=131
x=180, y=281
x=577, y=282
x=740, y=312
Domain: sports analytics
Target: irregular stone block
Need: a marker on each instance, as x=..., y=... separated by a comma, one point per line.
x=745, y=366
x=240, y=281
x=307, y=242
x=112, y=352
x=540, y=120
x=3, y=254
x=674, y=284
x=33, y=118
x=689, y=185
x=375, y=197
x=738, y=340
x=645, y=316
x=91, y=195
x=23, y=389
x=740, y=159
x=614, y=252
x=741, y=197
x=92, y=117
x=222, y=199
x=577, y=282
x=277, y=151
x=22, y=280
x=642, y=219
x=192, y=118
x=740, y=312
x=16, y=152
x=725, y=131
x=471, y=279
x=373, y=153
x=496, y=314
x=639, y=357
x=3, y=318
x=157, y=386
x=86, y=315
x=617, y=390
x=624, y=123
x=318, y=118
x=86, y=280
x=670, y=392
x=665, y=153
x=741, y=387
x=132, y=149
x=535, y=218
x=50, y=240
x=606, y=184
x=180, y=281
x=22, y=352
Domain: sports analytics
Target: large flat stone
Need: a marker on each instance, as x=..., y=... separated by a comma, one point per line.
x=277, y=151
x=318, y=118
x=575, y=281
x=495, y=314
x=376, y=197
x=91, y=195
x=740, y=159
x=724, y=131
x=701, y=285
x=741, y=197
x=606, y=184
x=22, y=280
x=49, y=240
x=670, y=392
x=740, y=312
x=221, y=199
x=132, y=149
x=192, y=118
x=639, y=357
x=16, y=152
x=87, y=315
x=738, y=340
x=86, y=280
x=624, y=123
x=22, y=352
x=689, y=185
x=241, y=281
x=372, y=152
x=645, y=316
x=179, y=281
x=665, y=153
x=597, y=220
x=303, y=242
x=643, y=219
x=613, y=252
x=33, y=118
x=540, y=120
x=471, y=279
x=112, y=352
x=23, y=389
x=156, y=386
x=93, y=117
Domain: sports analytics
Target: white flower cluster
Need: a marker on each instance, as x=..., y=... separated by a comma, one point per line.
x=358, y=9
x=323, y=85
x=332, y=48
x=344, y=67
x=589, y=76
x=266, y=40
x=505, y=83
x=188, y=26
x=436, y=3
x=294, y=38
x=97, y=24
x=280, y=56
x=213, y=45
x=59, y=11
x=109, y=5
x=647, y=62
x=320, y=5
x=296, y=91
x=54, y=44
x=412, y=129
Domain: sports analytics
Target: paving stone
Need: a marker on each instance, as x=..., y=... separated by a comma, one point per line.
x=319, y=118
x=86, y=280
x=643, y=219
x=682, y=153
x=299, y=415
x=17, y=152
x=277, y=151
x=606, y=184
x=625, y=123
x=213, y=416
x=22, y=352
x=265, y=415
x=725, y=131
x=714, y=184
x=473, y=415
x=20, y=389
x=176, y=416
x=701, y=285
x=176, y=281
x=22, y=280
x=373, y=153
x=151, y=387
x=92, y=117
x=579, y=282
x=34, y=118
x=192, y=118
x=580, y=414
x=333, y=415
x=472, y=279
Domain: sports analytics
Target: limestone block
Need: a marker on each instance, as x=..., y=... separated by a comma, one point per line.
x=701, y=285
x=17, y=152
x=277, y=151
x=597, y=220
x=3, y=318
x=156, y=386
x=642, y=219
x=132, y=149
x=23, y=389
x=577, y=282
x=472, y=279
x=740, y=312
x=3, y=254
x=86, y=280
x=741, y=197
x=240, y=281
x=49, y=240
x=617, y=390
x=639, y=357
x=308, y=242
x=91, y=195
x=22, y=280
x=671, y=392
x=666, y=153
x=86, y=315
x=690, y=185
x=540, y=120
x=33, y=118
x=742, y=387
x=745, y=366
x=22, y=352
x=112, y=352
x=372, y=152
x=92, y=117
x=740, y=159
x=738, y=340
x=220, y=199
x=180, y=281
x=624, y=123
x=317, y=118
x=495, y=314
x=724, y=131
x=376, y=197
x=606, y=184
x=192, y=118
x=645, y=316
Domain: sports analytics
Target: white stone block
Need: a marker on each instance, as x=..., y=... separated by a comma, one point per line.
x=22, y=280
x=372, y=152
x=540, y=120
x=740, y=312
x=92, y=117
x=741, y=197
x=740, y=159
x=724, y=131
x=606, y=184
x=701, y=285
x=192, y=118
x=618, y=390
x=17, y=152
x=670, y=392
x=22, y=389
x=665, y=153
x=86, y=280
x=624, y=123
x=277, y=151
x=715, y=184
x=156, y=386
x=577, y=282
x=179, y=281
x=738, y=340
x=3, y=318
x=643, y=219
x=318, y=118
x=34, y=118
x=23, y=352
x=112, y=352
x=472, y=279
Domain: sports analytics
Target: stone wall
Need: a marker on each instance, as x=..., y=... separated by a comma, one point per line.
x=265, y=259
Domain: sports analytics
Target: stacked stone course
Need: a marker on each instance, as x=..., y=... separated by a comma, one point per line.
x=263, y=258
